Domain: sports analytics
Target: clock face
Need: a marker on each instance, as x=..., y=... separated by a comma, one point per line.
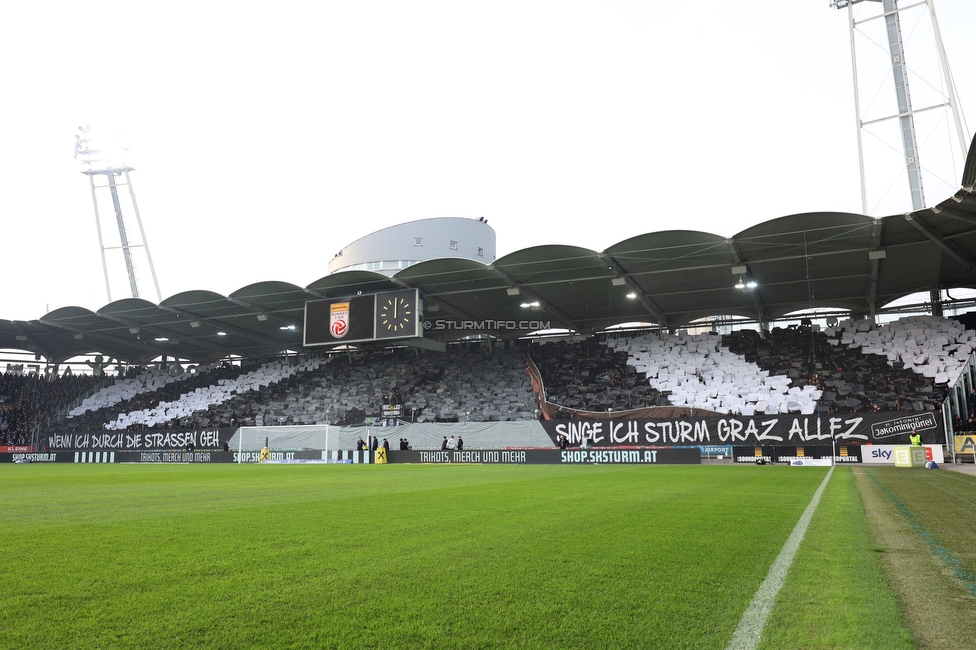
x=396, y=315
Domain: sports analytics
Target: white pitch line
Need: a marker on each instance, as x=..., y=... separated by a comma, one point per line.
x=749, y=631
x=939, y=487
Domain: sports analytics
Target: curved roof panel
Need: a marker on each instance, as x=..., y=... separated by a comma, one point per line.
x=572, y=285
x=349, y=283
x=817, y=259
x=804, y=260
x=682, y=274
x=129, y=308
x=269, y=293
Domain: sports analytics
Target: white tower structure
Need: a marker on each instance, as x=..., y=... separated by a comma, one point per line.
x=940, y=98
x=106, y=170
x=392, y=249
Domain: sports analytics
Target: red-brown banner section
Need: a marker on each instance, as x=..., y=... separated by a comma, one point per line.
x=888, y=428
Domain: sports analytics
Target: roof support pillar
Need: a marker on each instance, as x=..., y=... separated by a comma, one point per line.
x=935, y=298
x=756, y=300
x=952, y=251
x=875, y=268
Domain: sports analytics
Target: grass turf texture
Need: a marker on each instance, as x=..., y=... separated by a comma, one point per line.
x=836, y=594
x=923, y=526
x=400, y=556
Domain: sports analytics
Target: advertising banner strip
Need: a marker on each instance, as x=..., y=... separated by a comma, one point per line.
x=175, y=457
x=690, y=456
x=552, y=456
x=885, y=454
x=94, y=456
x=35, y=458
x=168, y=439
x=965, y=444
x=868, y=454
x=782, y=454
x=789, y=429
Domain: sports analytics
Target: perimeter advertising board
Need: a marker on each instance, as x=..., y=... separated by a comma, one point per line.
x=34, y=457
x=160, y=456
x=552, y=457
x=867, y=454
x=845, y=454
x=885, y=454
x=965, y=444
x=479, y=457
x=756, y=430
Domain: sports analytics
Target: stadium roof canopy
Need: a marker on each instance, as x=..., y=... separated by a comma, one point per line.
x=818, y=259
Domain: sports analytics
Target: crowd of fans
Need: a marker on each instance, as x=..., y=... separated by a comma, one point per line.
x=588, y=376
x=852, y=382
x=94, y=420
x=474, y=382
x=28, y=400
x=471, y=382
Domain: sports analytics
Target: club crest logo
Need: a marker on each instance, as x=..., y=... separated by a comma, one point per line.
x=339, y=319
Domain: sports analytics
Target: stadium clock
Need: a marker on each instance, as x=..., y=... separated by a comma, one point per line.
x=396, y=314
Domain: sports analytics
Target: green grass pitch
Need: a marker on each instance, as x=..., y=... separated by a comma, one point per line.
x=315, y=556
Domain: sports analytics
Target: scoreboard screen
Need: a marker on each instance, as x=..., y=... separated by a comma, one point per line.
x=376, y=316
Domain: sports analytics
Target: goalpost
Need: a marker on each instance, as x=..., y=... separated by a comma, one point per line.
x=251, y=440
x=248, y=442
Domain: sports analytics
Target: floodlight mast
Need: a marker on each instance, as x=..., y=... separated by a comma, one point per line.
x=98, y=163
x=906, y=113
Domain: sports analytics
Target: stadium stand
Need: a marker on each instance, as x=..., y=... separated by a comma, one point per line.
x=900, y=366
x=904, y=365
x=27, y=400
x=143, y=390
x=469, y=382
x=203, y=398
x=703, y=372
x=852, y=367
x=172, y=397
x=936, y=348
x=591, y=375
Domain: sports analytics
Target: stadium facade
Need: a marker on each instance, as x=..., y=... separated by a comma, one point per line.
x=401, y=246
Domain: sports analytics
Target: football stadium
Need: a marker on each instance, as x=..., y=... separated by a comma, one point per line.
x=683, y=440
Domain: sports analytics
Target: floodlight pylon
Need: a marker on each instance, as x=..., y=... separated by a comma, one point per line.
x=906, y=112
x=100, y=164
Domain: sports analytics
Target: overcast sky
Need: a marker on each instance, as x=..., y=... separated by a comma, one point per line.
x=265, y=138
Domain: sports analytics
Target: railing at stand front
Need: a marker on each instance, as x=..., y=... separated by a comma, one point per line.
x=957, y=402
